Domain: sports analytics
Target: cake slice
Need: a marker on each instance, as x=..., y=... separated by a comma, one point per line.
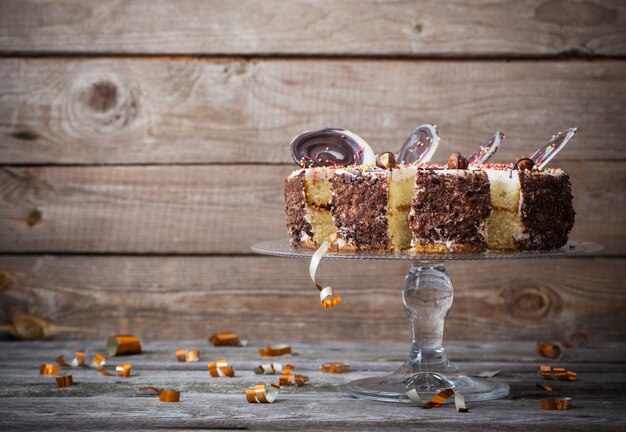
x=531, y=209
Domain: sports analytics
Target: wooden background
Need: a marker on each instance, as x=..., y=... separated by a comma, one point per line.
x=143, y=147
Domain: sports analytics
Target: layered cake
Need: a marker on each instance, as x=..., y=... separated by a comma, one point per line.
x=382, y=206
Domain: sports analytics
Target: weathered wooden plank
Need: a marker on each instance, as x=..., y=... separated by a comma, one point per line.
x=211, y=209
x=263, y=297
x=373, y=27
x=126, y=110
x=105, y=403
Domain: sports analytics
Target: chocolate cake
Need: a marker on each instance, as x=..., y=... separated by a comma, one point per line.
x=432, y=209
x=468, y=206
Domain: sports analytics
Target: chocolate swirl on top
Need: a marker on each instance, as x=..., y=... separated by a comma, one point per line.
x=331, y=147
x=420, y=146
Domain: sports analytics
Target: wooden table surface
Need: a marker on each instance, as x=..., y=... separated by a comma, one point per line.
x=31, y=401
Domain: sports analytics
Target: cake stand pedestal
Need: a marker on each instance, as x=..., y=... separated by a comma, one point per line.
x=427, y=296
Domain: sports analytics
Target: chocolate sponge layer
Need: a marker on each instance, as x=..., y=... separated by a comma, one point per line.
x=359, y=208
x=295, y=209
x=451, y=209
x=547, y=210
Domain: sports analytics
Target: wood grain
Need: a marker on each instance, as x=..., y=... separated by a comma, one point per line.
x=182, y=110
x=263, y=298
x=212, y=209
x=32, y=402
x=354, y=27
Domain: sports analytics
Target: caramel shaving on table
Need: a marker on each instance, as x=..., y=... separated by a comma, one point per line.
x=124, y=370
x=559, y=373
x=123, y=345
x=335, y=367
x=187, y=356
x=49, y=369
x=555, y=403
x=273, y=369
x=164, y=395
x=79, y=360
x=275, y=350
x=327, y=296
x=549, y=350
x=227, y=339
x=298, y=380
x=439, y=399
x=262, y=393
x=220, y=368
x=65, y=381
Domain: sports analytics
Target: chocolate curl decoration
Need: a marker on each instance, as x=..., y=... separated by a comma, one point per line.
x=275, y=350
x=220, y=368
x=273, y=369
x=227, y=339
x=555, y=403
x=439, y=399
x=327, y=296
x=49, y=369
x=124, y=370
x=545, y=153
x=288, y=379
x=420, y=146
x=576, y=340
x=549, y=350
x=331, y=147
x=486, y=151
x=335, y=368
x=164, y=395
x=262, y=393
x=65, y=381
x=123, y=345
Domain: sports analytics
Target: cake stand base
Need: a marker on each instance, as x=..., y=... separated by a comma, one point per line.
x=427, y=296
x=393, y=387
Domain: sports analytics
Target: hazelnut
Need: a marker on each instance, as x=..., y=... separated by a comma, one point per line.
x=524, y=164
x=457, y=161
x=385, y=160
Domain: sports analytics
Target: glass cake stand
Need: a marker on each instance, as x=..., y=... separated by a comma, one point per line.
x=427, y=297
